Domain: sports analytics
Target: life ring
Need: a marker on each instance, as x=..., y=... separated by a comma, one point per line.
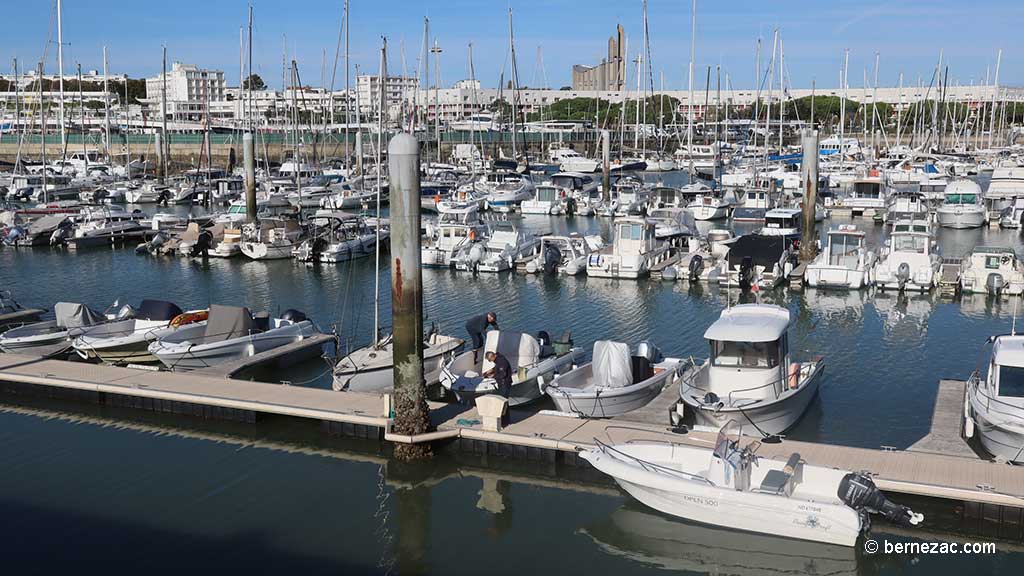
x=794, y=376
x=437, y=198
x=189, y=318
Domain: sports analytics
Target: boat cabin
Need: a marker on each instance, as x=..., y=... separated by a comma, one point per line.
x=844, y=246
x=910, y=237
x=749, y=352
x=868, y=193
x=782, y=222
x=1006, y=370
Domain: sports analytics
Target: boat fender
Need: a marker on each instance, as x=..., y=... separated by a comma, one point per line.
x=794, y=375
x=968, y=421
x=859, y=492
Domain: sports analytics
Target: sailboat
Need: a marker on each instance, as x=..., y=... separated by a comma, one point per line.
x=371, y=368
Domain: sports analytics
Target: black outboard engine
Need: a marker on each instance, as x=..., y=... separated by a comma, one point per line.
x=202, y=245
x=995, y=284
x=100, y=195
x=696, y=267
x=552, y=258
x=163, y=197
x=544, y=338
x=570, y=206
x=293, y=315
x=746, y=273
x=859, y=492
x=319, y=245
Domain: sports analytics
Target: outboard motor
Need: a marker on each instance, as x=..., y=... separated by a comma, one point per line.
x=202, y=245
x=570, y=206
x=995, y=283
x=649, y=351
x=317, y=248
x=293, y=315
x=746, y=273
x=543, y=338
x=903, y=274
x=60, y=235
x=696, y=267
x=126, y=312
x=163, y=197
x=100, y=195
x=261, y=321
x=859, y=492
x=552, y=258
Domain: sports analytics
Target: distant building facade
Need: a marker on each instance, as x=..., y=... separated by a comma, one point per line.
x=610, y=74
x=191, y=92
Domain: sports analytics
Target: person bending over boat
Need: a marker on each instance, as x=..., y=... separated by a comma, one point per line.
x=477, y=326
x=502, y=373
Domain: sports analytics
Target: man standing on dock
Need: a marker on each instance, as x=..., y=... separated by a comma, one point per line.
x=477, y=326
x=502, y=373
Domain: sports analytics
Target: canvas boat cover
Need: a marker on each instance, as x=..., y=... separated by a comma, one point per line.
x=46, y=223
x=191, y=233
x=227, y=322
x=72, y=315
x=157, y=310
x=611, y=365
x=764, y=250
x=9, y=218
x=518, y=348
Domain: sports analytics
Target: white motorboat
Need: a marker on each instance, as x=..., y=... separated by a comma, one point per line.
x=994, y=410
x=630, y=197
x=371, y=369
x=1006, y=184
x=614, y=382
x=230, y=333
x=710, y=207
x=127, y=341
x=1013, y=215
x=505, y=243
x=786, y=222
x=454, y=231
x=632, y=253
x=576, y=185
x=14, y=314
x=869, y=194
x=271, y=238
x=563, y=254
x=732, y=487
x=336, y=237
x=505, y=191
x=229, y=246
x=547, y=200
x=910, y=260
x=750, y=376
x=844, y=263
x=992, y=270
x=569, y=160
x=756, y=203
x=963, y=206
x=104, y=223
x=672, y=223
x=906, y=205
x=51, y=337
x=534, y=362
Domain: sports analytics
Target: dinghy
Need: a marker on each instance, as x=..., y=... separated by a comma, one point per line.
x=732, y=487
x=615, y=382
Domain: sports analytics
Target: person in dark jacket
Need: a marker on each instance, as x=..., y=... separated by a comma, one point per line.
x=502, y=373
x=477, y=327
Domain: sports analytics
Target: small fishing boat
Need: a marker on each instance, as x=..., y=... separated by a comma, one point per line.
x=534, y=361
x=750, y=375
x=454, y=231
x=127, y=341
x=547, y=200
x=992, y=270
x=614, y=382
x=844, y=263
x=909, y=261
x=271, y=238
x=710, y=207
x=230, y=333
x=14, y=314
x=51, y=337
x=672, y=223
x=505, y=243
x=757, y=260
x=732, y=487
x=336, y=237
x=371, y=369
x=756, y=203
x=563, y=254
x=632, y=253
x=994, y=410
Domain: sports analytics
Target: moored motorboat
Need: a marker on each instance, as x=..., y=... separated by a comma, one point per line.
x=994, y=409
x=371, y=368
x=127, y=341
x=51, y=337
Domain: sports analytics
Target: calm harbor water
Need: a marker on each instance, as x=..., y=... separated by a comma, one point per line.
x=165, y=498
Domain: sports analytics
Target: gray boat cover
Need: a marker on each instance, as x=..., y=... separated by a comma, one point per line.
x=72, y=315
x=611, y=365
x=227, y=322
x=9, y=218
x=46, y=223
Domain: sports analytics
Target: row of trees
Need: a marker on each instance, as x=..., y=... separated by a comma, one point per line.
x=136, y=87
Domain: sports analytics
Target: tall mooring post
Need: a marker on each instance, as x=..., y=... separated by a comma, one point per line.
x=809, y=168
x=249, y=154
x=412, y=416
x=606, y=165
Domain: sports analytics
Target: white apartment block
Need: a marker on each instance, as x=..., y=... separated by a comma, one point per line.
x=191, y=91
x=397, y=91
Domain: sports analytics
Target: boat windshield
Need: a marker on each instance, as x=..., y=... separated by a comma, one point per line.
x=961, y=198
x=1011, y=381
x=745, y=354
x=843, y=249
x=910, y=243
x=631, y=232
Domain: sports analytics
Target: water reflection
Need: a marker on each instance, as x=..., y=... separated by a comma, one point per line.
x=645, y=536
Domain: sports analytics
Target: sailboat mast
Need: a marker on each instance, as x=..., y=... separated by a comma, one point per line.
x=842, y=108
x=689, y=123
x=512, y=74
x=992, y=109
x=164, y=146
x=42, y=121
x=380, y=175
x=81, y=116
x=60, y=72
x=106, y=106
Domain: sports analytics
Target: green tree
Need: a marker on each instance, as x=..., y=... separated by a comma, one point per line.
x=256, y=82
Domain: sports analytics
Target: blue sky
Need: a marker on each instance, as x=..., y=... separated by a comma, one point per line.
x=908, y=35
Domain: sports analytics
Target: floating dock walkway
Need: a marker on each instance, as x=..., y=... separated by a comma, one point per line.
x=942, y=465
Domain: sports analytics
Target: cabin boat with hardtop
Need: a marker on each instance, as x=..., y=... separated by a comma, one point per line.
x=454, y=231
x=964, y=206
x=910, y=260
x=868, y=194
x=994, y=411
x=633, y=251
x=750, y=375
x=844, y=263
x=992, y=270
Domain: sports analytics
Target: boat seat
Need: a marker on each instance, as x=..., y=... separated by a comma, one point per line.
x=782, y=482
x=641, y=368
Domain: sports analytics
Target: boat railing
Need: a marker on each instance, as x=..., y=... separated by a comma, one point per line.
x=650, y=466
x=806, y=369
